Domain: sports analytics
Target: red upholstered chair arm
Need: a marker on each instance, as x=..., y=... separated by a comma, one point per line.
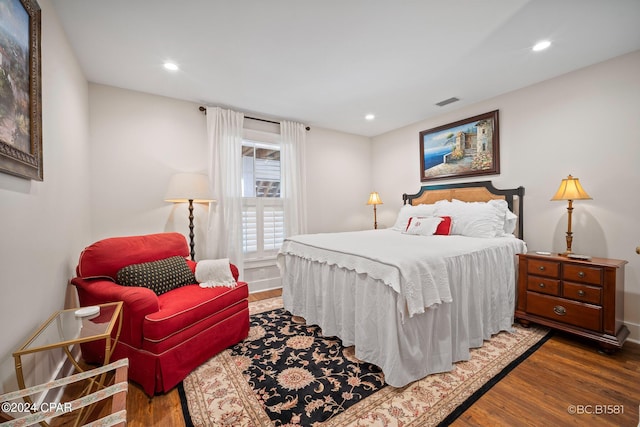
x=138, y=303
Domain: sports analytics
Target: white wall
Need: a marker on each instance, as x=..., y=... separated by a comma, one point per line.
x=139, y=140
x=45, y=224
x=338, y=181
x=584, y=123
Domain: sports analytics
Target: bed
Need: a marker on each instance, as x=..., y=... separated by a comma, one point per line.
x=411, y=302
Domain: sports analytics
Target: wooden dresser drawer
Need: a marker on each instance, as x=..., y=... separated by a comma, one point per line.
x=585, y=298
x=543, y=284
x=570, y=312
x=584, y=293
x=582, y=273
x=543, y=268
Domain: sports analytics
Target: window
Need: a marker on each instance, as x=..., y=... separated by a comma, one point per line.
x=262, y=207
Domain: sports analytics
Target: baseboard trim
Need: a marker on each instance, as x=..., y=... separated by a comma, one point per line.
x=264, y=290
x=634, y=332
x=265, y=285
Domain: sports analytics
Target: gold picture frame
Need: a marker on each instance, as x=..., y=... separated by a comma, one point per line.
x=20, y=89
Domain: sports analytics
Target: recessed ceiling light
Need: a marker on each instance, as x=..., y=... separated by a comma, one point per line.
x=541, y=45
x=170, y=66
x=369, y=117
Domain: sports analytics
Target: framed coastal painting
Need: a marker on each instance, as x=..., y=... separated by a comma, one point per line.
x=20, y=89
x=464, y=148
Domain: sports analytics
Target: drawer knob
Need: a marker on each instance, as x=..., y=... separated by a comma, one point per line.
x=541, y=268
x=541, y=285
x=559, y=310
x=581, y=293
x=581, y=274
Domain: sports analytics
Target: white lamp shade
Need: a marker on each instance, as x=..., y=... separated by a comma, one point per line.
x=189, y=186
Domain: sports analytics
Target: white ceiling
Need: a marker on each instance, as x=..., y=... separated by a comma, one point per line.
x=328, y=63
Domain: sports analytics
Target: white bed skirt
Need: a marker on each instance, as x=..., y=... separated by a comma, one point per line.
x=365, y=312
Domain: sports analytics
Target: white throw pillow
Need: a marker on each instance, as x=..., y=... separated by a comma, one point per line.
x=510, y=219
x=510, y=222
x=214, y=272
x=407, y=211
x=423, y=225
x=473, y=219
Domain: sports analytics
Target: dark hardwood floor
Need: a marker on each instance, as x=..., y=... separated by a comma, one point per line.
x=566, y=382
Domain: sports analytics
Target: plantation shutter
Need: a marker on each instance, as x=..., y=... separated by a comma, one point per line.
x=273, y=223
x=249, y=229
x=262, y=225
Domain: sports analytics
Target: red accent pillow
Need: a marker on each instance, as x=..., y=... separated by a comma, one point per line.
x=444, y=228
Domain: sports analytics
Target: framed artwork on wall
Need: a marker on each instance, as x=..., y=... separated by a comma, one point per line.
x=20, y=89
x=467, y=147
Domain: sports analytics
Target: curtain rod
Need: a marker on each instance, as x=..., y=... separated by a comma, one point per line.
x=204, y=110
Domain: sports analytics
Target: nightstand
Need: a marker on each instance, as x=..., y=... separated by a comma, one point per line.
x=585, y=298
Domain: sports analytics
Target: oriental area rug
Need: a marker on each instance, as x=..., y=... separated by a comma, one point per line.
x=285, y=373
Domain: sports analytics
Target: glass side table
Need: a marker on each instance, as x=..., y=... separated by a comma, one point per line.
x=64, y=329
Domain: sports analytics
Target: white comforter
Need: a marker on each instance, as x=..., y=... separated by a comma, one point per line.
x=414, y=266
x=367, y=288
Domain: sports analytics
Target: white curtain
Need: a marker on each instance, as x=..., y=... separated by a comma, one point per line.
x=293, y=184
x=224, y=237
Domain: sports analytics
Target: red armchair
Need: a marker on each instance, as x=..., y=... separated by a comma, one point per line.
x=164, y=337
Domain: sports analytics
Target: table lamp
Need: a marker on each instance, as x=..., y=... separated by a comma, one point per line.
x=189, y=187
x=374, y=199
x=570, y=189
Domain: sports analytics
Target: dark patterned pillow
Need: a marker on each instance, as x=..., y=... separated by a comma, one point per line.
x=159, y=276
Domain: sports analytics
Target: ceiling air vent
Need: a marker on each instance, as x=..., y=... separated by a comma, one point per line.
x=447, y=101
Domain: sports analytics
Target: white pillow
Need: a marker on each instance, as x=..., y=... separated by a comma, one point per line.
x=407, y=211
x=423, y=225
x=510, y=219
x=473, y=219
x=510, y=222
x=214, y=272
